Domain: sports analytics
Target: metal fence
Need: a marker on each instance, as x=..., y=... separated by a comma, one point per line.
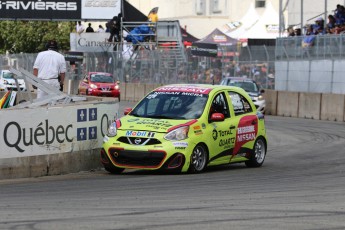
x=256, y=62
x=149, y=66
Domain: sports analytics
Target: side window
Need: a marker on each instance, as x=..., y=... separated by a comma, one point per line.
x=240, y=104
x=220, y=105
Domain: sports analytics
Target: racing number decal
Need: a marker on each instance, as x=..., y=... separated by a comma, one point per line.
x=246, y=131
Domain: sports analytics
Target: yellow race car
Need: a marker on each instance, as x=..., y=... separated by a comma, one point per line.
x=185, y=128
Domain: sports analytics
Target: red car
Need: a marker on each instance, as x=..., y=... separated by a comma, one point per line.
x=99, y=84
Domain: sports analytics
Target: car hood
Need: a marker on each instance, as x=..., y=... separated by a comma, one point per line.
x=101, y=85
x=254, y=94
x=149, y=124
x=12, y=81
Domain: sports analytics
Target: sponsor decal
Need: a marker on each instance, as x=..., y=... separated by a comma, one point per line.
x=197, y=127
x=203, y=125
x=130, y=133
x=227, y=143
x=180, y=144
x=180, y=148
x=198, y=132
x=186, y=89
x=215, y=134
x=246, y=131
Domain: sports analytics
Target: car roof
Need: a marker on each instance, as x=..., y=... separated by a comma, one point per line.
x=238, y=79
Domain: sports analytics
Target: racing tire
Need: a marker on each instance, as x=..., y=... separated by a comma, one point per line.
x=198, y=159
x=113, y=169
x=258, y=155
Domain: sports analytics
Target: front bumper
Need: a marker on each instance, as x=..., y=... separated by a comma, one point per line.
x=154, y=157
x=97, y=92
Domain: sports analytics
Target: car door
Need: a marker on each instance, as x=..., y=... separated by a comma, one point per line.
x=222, y=133
x=246, y=122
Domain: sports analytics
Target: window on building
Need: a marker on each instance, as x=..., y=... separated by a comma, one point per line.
x=260, y=3
x=215, y=7
x=200, y=7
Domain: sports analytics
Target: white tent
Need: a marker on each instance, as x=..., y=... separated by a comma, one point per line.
x=255, y=26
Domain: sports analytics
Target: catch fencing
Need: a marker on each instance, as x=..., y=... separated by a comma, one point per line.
x=273, y=67
x=150, y=66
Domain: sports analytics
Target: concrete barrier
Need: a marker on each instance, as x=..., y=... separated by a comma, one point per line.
x=333, y=107
x=309, y=105
x=287, y=104
x=42, y=159
x=271, y=97
x=51, y=140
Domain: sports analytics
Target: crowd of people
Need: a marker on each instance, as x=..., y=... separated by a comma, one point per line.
x=335, y=24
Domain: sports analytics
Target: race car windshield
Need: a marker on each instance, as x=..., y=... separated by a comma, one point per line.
x=8, y=75
x=102, y=78
x=171, y=105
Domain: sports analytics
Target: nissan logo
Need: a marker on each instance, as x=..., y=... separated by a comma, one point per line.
x=137, y=141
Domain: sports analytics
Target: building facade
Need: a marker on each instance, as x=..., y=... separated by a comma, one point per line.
x=200, y=17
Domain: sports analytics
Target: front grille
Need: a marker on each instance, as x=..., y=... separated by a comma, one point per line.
x=137, y=158
x=135, y=141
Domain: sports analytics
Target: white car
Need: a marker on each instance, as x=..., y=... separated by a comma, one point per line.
x=7, y=82
x=251, y=88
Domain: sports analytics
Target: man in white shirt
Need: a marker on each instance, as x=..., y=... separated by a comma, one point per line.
x=49, y=66
x=80, y=28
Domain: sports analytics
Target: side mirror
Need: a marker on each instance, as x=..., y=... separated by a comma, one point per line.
x=127, y=111
x=118, y=82
x=217, y=117
x=85, y=80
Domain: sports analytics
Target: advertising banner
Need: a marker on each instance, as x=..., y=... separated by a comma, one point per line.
x=204, y=49
x=90, y=42
x=59, y=10
x=44, y=131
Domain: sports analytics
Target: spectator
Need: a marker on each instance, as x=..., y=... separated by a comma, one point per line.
x=113, y=29
x=318, y=27
x=290, y=31
x=89, y=29
x=100, y=29
x=153, y=16
x=298, y=31
x=331, y=22
x=80, y=28
x=50, y=66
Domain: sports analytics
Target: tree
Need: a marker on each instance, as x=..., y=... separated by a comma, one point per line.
x=31, y=36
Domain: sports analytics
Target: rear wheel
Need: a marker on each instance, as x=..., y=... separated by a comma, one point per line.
x=198, y=159
x=259, y=153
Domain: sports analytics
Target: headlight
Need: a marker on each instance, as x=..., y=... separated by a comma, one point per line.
x=112, y=130
x=260, y=98
x=177, y=134
x=116, y=87
x=93, y=86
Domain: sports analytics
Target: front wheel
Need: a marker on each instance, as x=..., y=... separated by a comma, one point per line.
x=198, y=159
x=259, y=153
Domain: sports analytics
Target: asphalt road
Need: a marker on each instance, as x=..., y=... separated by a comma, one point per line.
x=300, y=186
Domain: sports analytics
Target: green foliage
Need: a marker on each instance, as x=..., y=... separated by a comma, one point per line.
x=31, y=36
